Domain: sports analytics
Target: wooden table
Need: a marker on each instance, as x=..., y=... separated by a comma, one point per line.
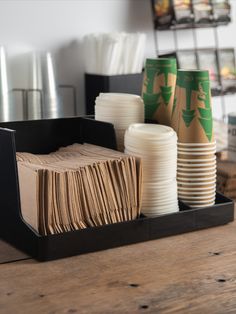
x=190, y=273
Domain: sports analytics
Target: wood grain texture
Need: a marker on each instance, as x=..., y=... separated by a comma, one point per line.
x=190, y=273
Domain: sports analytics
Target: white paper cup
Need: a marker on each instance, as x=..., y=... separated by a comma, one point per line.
x=206, y=189
x=197, y=160
x=196, y=196
x=193, y=197
x=203, y=167
x=195, y=175
x=189, y=179
x=207, y=153
x=197, y=191
x=202, y=205
x=195, y=202
x=206, y=183
x=197, y=144
x=195, y=150
x=199, y=170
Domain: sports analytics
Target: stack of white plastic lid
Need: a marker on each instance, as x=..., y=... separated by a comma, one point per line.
x=121, y=110
x=156, y=145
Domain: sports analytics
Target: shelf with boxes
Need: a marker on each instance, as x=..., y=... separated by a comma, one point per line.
x=175, y=15
x=179, y=14
x=45, y=136
x=222, y=73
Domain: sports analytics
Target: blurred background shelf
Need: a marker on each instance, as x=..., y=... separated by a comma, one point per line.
x=177, y=14
x=219, y=61
x=182, y=26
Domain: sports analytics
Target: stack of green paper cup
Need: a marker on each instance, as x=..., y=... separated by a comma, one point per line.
x=192, y=120
x=158, y=89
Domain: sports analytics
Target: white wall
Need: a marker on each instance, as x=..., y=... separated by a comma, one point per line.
x=59, y=25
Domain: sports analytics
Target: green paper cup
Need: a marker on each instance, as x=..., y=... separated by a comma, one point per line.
x=151, y=104
x=166, y=93
x=193, y=107
x=159, y=80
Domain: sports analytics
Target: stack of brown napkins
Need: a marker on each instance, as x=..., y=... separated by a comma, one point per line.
x=226, y=178
x=78, y=186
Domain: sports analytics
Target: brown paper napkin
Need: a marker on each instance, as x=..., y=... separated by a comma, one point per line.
x=78, y=186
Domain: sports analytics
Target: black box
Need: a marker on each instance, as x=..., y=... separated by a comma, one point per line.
x=44, y=136
x=95, y=84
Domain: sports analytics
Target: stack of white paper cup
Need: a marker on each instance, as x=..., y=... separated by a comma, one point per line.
x=192, y=120
x=156, y=145
x=196, y=173
x=121, y=110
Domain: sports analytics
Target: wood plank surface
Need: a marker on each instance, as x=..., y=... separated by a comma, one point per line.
x=190, y=273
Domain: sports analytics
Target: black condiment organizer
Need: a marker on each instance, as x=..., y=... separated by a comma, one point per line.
x=96, y=84
x=45, y=136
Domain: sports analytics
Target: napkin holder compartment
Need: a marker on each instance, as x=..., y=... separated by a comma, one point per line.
x=45, y=136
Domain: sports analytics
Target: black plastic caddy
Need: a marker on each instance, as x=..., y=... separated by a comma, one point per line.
x=45, y=136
